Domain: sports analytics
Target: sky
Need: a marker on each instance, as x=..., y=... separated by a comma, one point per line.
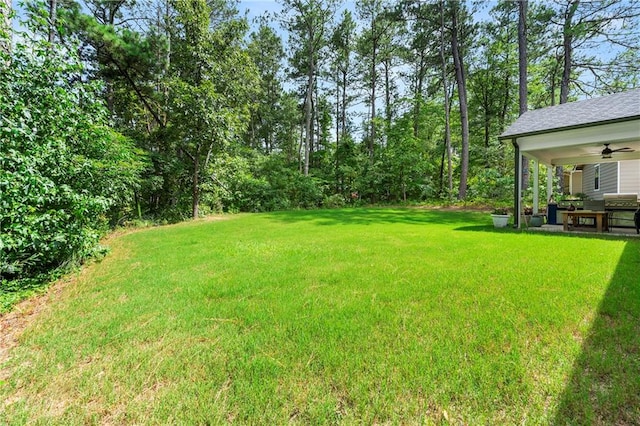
x=256, y=8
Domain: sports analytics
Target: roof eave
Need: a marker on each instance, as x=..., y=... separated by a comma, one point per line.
x=559, y=129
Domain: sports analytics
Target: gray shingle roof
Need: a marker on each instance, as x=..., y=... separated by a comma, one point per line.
x=616, y=107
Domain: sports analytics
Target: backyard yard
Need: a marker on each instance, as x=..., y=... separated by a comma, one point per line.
x=354, y=316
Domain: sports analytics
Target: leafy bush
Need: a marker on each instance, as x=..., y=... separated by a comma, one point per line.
x=261, y=183
x=232, y=186
x=63, y=171
x=334, y=201
x=490, y=184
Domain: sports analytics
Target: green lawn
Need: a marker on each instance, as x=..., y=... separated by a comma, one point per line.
x=399, y=316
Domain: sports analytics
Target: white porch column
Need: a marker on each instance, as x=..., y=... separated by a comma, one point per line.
x=518, y=213
x=549, y=181
x=536, y=186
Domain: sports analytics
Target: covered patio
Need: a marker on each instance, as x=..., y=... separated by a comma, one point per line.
x=619, y=232
x=592, y=131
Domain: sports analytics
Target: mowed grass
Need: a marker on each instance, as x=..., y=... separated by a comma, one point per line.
x=364, y=316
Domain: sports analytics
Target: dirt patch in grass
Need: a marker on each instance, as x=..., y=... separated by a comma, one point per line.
x=13, y=323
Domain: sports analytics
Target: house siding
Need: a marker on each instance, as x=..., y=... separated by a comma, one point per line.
x=608, y=180
x=630, y=176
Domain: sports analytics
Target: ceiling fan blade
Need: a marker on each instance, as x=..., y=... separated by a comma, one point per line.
x=627, y=149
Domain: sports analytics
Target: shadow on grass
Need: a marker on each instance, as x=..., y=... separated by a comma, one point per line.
x=486, y=228
x=371, y=216
x=510, y=229
x=604, y=387
x=466, y=220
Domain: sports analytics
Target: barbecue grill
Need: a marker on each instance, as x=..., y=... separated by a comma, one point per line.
x=621, y=208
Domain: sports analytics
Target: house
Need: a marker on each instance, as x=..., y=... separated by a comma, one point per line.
x=598, y=139
x=595, y=180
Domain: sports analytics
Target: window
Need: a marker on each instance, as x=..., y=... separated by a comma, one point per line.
x=596, y=179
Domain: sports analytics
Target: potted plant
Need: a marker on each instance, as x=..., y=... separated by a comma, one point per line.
x=536, y=220
x=500, y=217
x=532, y=219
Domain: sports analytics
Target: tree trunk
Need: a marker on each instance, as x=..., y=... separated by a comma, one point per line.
x=338, y=109
x=522, y=55
x=387, y=88
x=315, y=126
x=301, y=148
x=487, y=130
x=447, y=110
x=344, y=103
x=567, y=44
x=417, y=96
x=462, y=96
x=308, y=114
x=373, y=102
x=342, y=123
x=373, y=92
x=522, y=77
x=52, y=20
x=195, y=187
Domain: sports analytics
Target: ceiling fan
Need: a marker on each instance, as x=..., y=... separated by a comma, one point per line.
x=606, y=152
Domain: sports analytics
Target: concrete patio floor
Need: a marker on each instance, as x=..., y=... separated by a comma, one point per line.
x=617, y=231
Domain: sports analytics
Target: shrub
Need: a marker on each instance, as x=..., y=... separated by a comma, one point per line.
x=62, y=169
x=334, y=201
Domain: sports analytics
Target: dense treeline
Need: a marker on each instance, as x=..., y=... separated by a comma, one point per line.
x=169, y=109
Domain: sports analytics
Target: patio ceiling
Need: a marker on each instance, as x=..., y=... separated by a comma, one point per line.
x=583, y=145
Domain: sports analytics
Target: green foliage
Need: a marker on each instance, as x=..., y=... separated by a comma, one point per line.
x=298, y=190
x=213, y=81
x=266, y=51
x=334, y=201
x=234, y=187
x=190, y=87
x=490, y=184
x=63, y=171
x=258, y=184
